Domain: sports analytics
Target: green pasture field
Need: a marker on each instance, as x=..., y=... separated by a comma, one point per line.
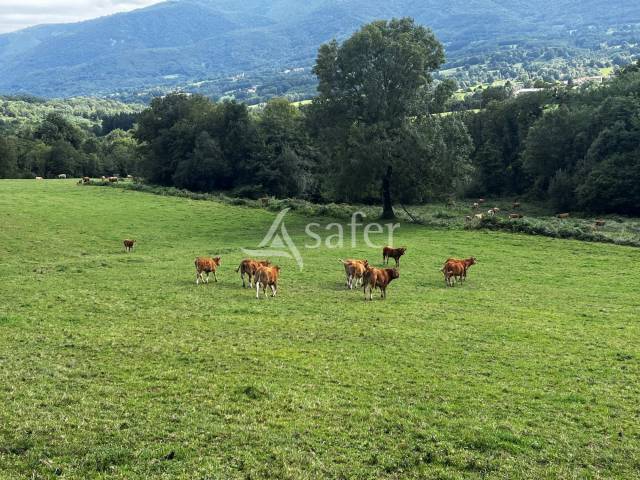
x=116, y=365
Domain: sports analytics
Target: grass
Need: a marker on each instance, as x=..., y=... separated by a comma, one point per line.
x=116, y=365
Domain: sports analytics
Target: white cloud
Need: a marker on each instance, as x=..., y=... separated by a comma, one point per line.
x=17, y=14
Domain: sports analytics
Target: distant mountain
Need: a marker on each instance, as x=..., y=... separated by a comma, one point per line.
x=181, y=41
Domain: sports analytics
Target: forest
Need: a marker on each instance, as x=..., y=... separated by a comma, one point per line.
x=380, y=128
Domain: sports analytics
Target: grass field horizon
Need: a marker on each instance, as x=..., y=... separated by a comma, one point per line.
x=116, y=365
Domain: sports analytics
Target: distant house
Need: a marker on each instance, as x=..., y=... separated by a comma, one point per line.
x=522, y=91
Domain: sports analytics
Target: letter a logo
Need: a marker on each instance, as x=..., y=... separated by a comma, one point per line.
x=277, y=242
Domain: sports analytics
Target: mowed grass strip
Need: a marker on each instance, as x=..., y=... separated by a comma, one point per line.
x=115, y=365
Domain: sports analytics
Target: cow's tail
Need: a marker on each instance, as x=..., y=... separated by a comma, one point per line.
x=238, y=269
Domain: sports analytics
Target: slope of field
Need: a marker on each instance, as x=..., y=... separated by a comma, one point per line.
x=116, y=365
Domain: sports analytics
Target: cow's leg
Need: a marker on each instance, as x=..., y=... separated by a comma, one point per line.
x=273, y=290
x=244, y=285
x=251, y=279
x=197, y=278
x=257, y=289
x=215, y=277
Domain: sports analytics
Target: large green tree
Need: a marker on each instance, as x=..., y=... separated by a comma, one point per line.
x=370, y=89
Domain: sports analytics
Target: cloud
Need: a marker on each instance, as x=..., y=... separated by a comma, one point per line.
x=17, y=14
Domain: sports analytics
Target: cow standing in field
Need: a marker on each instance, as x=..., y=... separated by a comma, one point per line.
x=249, y=267
x=267, y=277
x=113, y=179
x=62, y=176
x=563, y=216
x=206, y=265
x=354, y=270
x=128, y=245
x=395, y=253
x=380, y=278
x=456, y=269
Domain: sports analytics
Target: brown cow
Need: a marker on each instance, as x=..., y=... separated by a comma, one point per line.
x=86, y=180
x=563, y=215
x=516, y=215
x=395, y=253
x=113, y=179
x=249, y=266
x=516, y=205
x=451, y=269
x=206, y=265
x=600, y=223
x=481, y=200
x=128, y=245
x=381, y=278
x=267, y=277
x=354, y=270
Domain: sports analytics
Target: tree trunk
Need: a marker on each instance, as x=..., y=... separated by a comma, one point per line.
x=387, y=204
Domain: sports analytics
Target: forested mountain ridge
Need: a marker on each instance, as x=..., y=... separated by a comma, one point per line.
x=181, y=42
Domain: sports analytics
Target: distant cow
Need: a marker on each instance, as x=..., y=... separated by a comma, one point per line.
x=62, y=176
x=600, y=223
x=379, y=278
x=130, y=177
x=476, y=205
x=493, y=211
x=481, y=200
x=563, y=215
x=516, y=215
x=113, y=179
x=395, y=253
x=249, y=267
x=516, y=205
x=39, y=178
x=206, y=265
x=478, y=216
x=267, y=277
x=354, y=270
x=86, y=180
x=128, y=245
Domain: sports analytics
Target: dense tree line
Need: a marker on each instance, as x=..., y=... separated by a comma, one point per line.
x=58, y=145
x=577, y=148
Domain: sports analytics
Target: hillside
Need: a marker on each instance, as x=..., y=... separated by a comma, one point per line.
x=179, y=42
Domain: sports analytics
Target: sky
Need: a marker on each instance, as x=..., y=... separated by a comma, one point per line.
x=17, y=14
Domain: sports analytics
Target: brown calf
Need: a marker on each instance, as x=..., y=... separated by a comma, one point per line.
x=516, y=215
x=354, y=270
x=395, y=253
x=380, y=278
x=249, y=267
x=128, y=245
x=86, y=180
x=267, y=277
x=113, y=179
x=206, y=265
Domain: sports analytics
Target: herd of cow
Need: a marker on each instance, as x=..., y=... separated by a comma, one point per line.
x=359, y=273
